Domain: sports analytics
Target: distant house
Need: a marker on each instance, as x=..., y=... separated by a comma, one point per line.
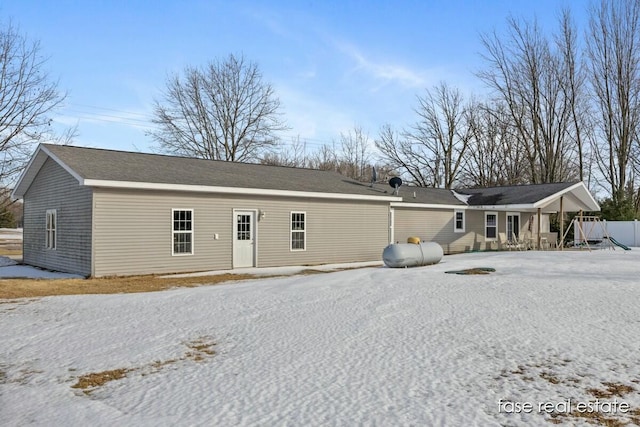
x=101, y=212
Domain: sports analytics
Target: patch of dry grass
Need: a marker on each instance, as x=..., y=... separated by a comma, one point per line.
x=96, y=379
x=159, y=364
x=34, y=288
x=10, y=251
x=10, y=246
x=546, y=370
x=311, y=271
x=199, y=350
x=30, y=288
x=612, y=390
x=635, y=416
x=21, y=376
x=549, y=377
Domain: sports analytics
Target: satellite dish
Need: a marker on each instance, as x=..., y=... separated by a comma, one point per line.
x=395, y=182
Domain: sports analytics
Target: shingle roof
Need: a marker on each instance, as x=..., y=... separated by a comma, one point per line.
x=427, y=195
x=110, y=165
x=514, y=194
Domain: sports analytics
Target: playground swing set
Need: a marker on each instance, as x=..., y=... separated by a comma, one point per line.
x=588, y=227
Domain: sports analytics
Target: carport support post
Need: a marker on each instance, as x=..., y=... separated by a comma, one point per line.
x=580, y=226
x=561, y=223
x=539, y=226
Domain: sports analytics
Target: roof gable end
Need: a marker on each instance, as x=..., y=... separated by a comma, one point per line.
x=33, y=168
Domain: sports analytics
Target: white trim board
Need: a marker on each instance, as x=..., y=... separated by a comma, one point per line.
x=230, y=190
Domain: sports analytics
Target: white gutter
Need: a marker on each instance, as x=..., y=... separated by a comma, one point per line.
x=501, y=208
x=518, y=207
x=427, y=206
x=231, y=190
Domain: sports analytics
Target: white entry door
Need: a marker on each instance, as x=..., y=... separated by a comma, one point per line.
x=244, y=239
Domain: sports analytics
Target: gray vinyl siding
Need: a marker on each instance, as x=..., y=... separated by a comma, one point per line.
x=430, y=225
x=55, y=188
x=337, y=231
x=133, y=235
x=437, y=225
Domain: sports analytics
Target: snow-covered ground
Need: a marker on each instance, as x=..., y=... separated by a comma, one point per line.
x=10, y=269
x=25, y=271
x=372, y=346
x=5, y=262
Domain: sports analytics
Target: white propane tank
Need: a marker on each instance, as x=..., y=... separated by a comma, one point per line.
x=411, y=254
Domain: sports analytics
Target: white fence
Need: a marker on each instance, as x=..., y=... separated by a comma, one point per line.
x=625, y=232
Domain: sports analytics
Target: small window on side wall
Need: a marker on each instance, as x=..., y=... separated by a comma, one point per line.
x=298, y=231
x=491, y=226
x=51, y=229
x=182, y=231
x=458, y=221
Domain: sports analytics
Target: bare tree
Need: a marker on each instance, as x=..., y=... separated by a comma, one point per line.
x=351, y=157
x=613, y=49
x=27, y=96
x=224, y=111
x=355, y=158
x=573, y=78
x=442, y=131
x=432, y=150
x=293, y=154
x=398, y=151
x=325, y=158
x=493, y=155
x=528, y=77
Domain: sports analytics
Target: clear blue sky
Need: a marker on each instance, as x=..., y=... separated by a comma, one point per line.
x=333, y=64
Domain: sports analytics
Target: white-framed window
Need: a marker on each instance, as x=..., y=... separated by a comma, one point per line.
x=182, y=231
x=491, y=226
x=298, y=231
x=51, y=229
x=458, y=221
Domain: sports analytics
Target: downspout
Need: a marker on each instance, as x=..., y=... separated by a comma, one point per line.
x=561, y=223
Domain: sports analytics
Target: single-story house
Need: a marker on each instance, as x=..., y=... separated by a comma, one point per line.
x=102, y=212
x=474, y=219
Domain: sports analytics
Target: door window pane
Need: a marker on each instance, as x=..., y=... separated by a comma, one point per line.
x=243, y=227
